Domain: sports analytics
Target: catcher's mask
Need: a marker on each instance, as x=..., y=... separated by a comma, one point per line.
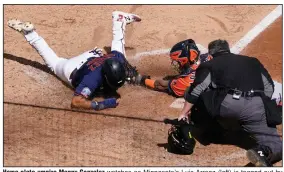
x=114, y=73
x=184, y=54
x=180, y=140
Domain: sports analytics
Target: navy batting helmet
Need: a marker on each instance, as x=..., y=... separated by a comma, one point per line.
x=114, y=73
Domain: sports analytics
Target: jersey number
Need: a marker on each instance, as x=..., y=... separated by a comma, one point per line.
x=97, y=61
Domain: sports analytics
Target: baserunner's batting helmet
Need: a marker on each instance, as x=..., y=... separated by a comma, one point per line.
x=114, y=73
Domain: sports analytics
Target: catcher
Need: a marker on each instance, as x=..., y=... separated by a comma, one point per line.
x=92, y=71
x=185, y=57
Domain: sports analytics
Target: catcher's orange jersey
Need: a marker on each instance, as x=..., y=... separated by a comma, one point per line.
x=179, y=85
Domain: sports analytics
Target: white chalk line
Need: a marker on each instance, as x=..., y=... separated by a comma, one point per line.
x=138, y=56
x=151, y=53
x=257, y=29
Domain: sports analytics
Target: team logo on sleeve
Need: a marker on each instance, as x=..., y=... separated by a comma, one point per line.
x=86, y=92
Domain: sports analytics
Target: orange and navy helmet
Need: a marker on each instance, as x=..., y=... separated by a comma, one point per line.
x=184, y=53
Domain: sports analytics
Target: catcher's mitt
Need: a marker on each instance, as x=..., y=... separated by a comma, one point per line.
x=180, y=140
x=131, y=72
x=133, y=77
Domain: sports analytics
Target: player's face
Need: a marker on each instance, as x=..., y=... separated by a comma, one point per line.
x=176, y=66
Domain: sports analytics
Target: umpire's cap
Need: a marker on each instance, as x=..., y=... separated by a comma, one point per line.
x=114, y=73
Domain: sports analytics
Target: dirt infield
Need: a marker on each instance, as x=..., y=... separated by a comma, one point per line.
x=41, y=130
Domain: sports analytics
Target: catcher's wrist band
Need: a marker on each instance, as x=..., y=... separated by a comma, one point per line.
x=150, y=83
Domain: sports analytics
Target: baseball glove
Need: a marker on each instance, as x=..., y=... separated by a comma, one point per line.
x=131, y=72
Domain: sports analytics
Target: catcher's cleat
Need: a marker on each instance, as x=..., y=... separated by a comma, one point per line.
x=22, y=27
x=125, y=17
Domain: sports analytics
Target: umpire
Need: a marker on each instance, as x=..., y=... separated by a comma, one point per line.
x=239, y=88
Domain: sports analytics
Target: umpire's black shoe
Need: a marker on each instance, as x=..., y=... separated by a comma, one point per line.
x=259, y=156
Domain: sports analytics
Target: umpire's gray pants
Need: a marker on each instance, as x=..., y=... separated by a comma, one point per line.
x=250, y=113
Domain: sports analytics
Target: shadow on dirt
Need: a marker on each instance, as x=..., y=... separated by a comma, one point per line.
x=249, y=165
x=33, y=64
x=168, y=148
x=164, y=145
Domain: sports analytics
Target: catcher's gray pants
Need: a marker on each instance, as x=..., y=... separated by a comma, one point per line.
x=250, y=113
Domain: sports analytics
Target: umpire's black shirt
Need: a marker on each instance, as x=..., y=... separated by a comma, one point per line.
x=224, y=72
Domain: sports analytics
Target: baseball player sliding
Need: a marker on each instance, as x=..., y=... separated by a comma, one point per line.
x=91, y=71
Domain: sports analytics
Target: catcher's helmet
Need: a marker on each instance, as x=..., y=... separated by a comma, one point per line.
x=114, y=73
x=184, y=53
x=180, y=140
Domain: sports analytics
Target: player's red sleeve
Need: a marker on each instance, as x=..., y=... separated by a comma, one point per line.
x=178, y=86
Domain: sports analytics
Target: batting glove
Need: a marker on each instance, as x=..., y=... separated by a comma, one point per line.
x=107, y=103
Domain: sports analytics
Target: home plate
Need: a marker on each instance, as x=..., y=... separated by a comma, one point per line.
x=178, y=103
